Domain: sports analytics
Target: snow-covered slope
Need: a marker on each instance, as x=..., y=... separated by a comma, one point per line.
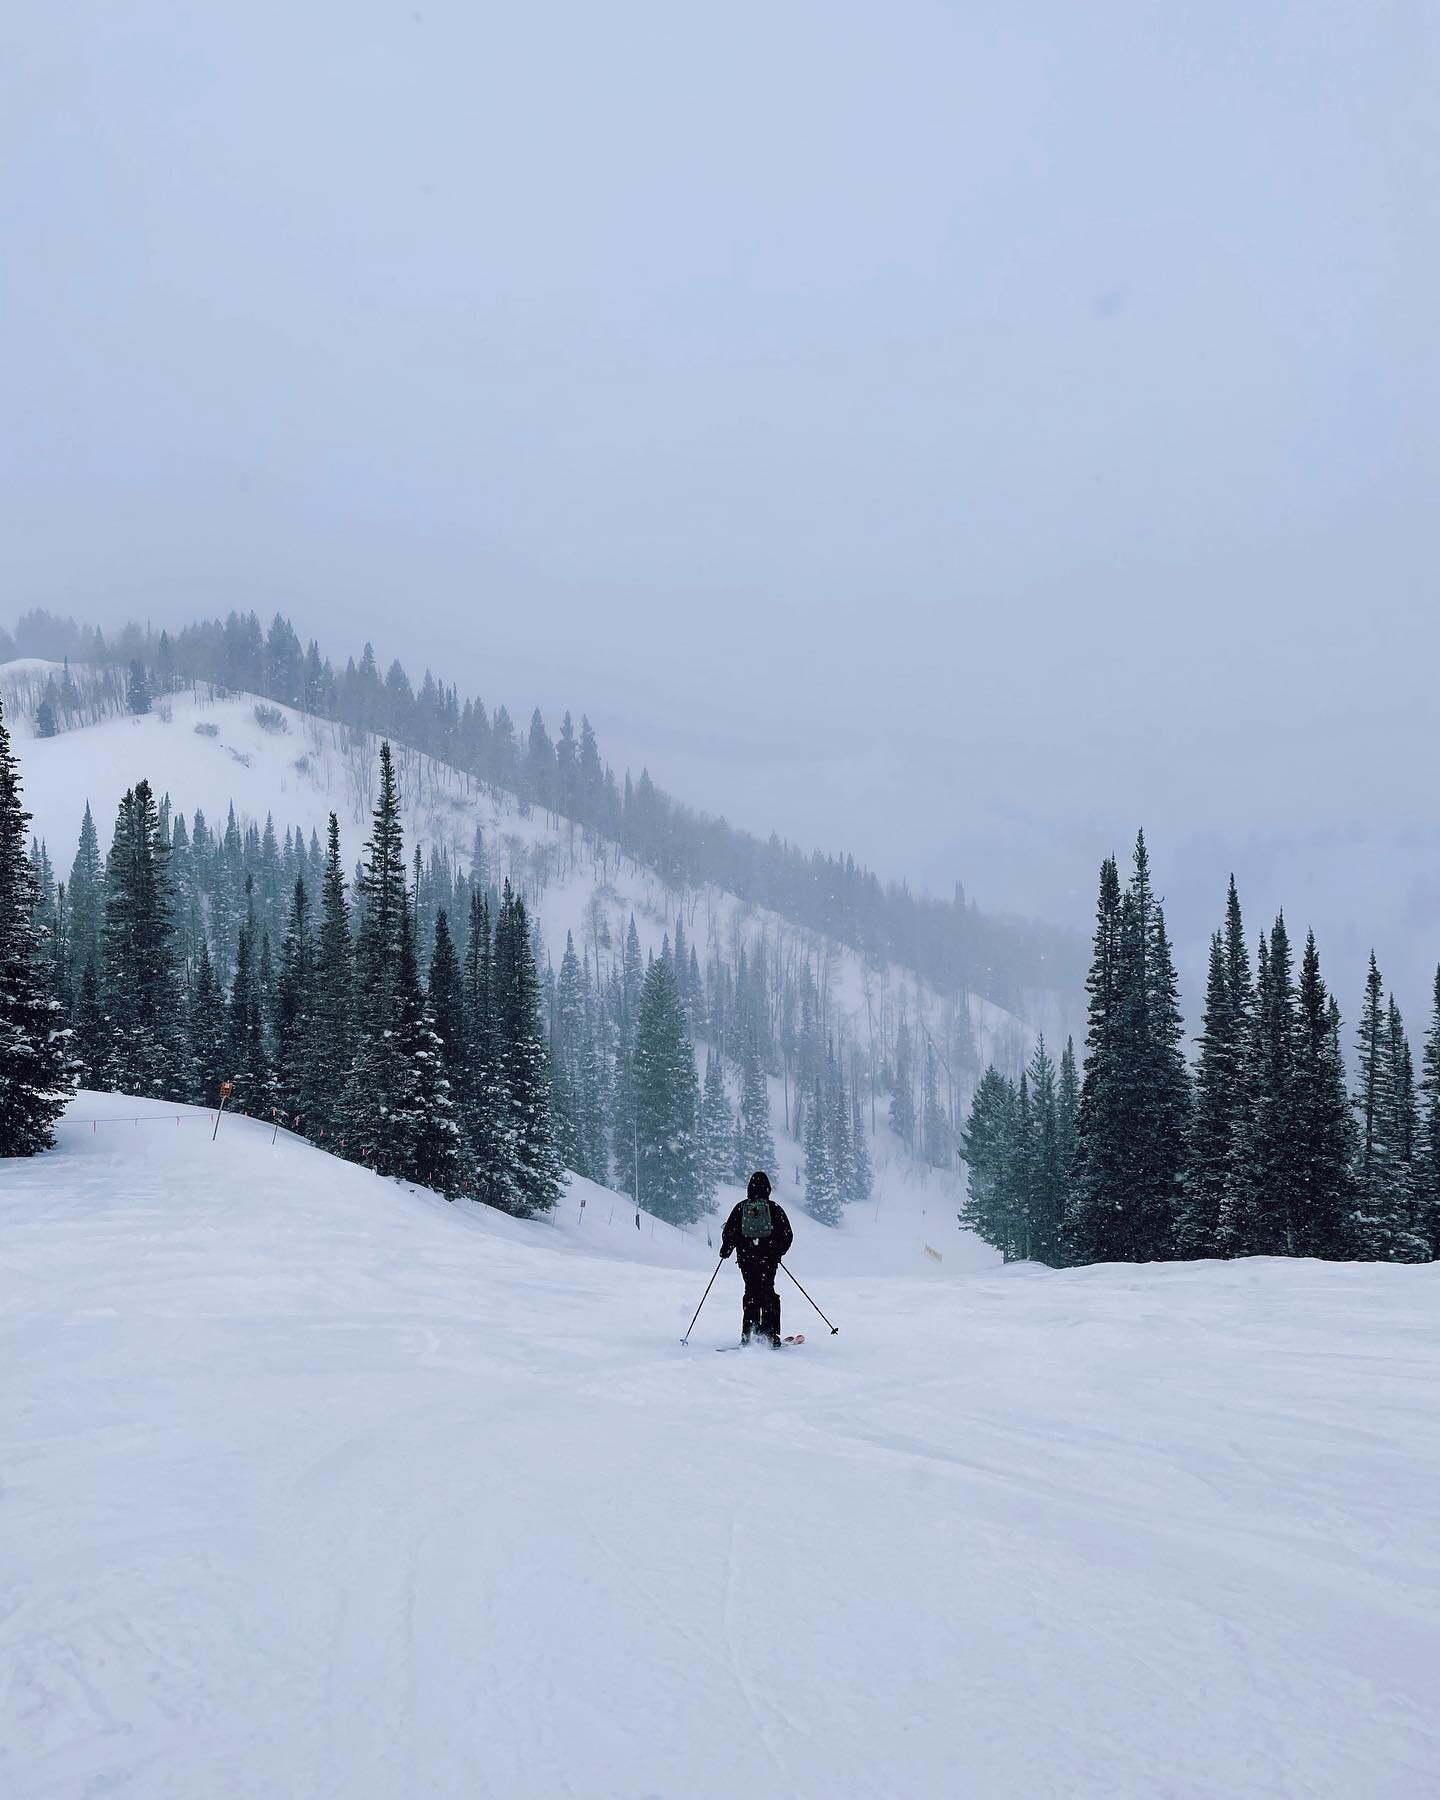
x=208, y=753
x=317, y=1486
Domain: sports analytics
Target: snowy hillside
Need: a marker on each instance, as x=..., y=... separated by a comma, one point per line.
x=209, y=754
x=325, y=1487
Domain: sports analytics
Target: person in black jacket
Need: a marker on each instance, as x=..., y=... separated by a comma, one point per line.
x=758, y=1234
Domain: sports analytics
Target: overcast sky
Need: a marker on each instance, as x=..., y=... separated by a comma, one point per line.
x=956, y=432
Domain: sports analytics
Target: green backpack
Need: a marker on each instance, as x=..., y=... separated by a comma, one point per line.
x=755, y=1220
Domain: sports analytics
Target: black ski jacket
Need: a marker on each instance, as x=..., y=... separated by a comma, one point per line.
x=757, y=1253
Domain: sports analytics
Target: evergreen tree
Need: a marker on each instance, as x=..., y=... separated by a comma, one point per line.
x=1101, y=1163
x=673, y=1183
x=1260, y=1214
x=145, y=1051
x=755, y=1145
x=1135, y=1099
x=1048, y=1177
x=934, y=1125
x=207, y=1026
x=1067, y=1117
x=294, y=1015
x=90, y=1033
x=1428, y=1149
x=994, y=1204
x=822, y=1188
x=1382, y=1227
x=902, y=1094
x=36, y=1077
x=377, y=1104
x=87, y=901
x=447, y=1001
x=861, y=1179
x=331, y=1046
x=1213, y=1122
x=249, y=1065
x=426, y=1128
x=535, y=1178
x=137, y=692
x=1322, y=1142
x=837, y=1126
x=484, y=1110
x=569, y=1044
x=717, y=1125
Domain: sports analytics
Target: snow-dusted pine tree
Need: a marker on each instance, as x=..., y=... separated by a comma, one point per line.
x=36, y=1079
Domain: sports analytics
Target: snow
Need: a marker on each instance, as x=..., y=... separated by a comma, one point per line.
x=310, y=768
x=315, y=1485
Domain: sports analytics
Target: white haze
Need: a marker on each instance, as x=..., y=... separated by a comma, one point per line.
x=955, y=434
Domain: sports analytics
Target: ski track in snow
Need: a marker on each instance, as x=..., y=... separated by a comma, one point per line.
x=316, y=1486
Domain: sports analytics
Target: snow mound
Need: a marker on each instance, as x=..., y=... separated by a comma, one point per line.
x=315, y=1485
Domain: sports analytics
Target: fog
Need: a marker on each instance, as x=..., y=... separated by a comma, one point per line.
x=953, y=434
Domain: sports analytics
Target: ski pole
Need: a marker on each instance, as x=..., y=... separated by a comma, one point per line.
x=834, y=1329
x=703, y=1298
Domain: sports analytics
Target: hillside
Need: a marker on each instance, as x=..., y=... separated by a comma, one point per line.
x=210, y=753
x=327, y=1487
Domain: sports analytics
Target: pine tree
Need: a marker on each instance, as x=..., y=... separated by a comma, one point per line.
x=902, y=1095
x=994, y=1202
x=484, y=1111
x=755, y=1144
x=1067, y=1117
x=837, y=1127
x=569, y=1045
x=87, y=901
x=935, y=1127
x=1048, y=1180
x=717, y=1125
x=1382, y=1227
x=1260, y=1215
x=447, y=1000
x=1322, y=1143
x=331, y=1046
x=1101, y=1166
x=822, y=1189
x=249, y=1065
x=535, y=1177
x=1212, y=1124
x=207, y=1027
x=90, y=1033
x=36, y=1077
x=861, y=1179
x=426, y=1128
x=673, y=1183
x=295, y=992
x=137, y=691
x=145, y=1051
x=1411, y=1237
x=1135, y=1100
x=1428, y=1149
x=376, y=1106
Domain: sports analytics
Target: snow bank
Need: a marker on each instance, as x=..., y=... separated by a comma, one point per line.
x=315, y=1485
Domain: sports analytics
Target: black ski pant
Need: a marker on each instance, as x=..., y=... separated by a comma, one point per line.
x=760, y=1309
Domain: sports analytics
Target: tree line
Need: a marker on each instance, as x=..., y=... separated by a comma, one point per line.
x=454, y=1055
x=1260, y=1150
x=949, y=943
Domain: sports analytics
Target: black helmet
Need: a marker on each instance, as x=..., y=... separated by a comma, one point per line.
x=759, y=1186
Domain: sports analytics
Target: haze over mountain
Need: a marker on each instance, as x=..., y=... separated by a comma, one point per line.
x=951, y=435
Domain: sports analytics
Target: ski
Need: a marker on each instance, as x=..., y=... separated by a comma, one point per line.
x=798, y=1338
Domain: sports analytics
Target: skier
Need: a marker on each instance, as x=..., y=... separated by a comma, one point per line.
x=759, y=1234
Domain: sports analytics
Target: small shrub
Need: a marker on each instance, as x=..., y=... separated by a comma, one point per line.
x=301, y=765
x=270, y=718
x=204, y=729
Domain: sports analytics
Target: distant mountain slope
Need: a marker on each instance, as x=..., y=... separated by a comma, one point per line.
x=295, y=768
